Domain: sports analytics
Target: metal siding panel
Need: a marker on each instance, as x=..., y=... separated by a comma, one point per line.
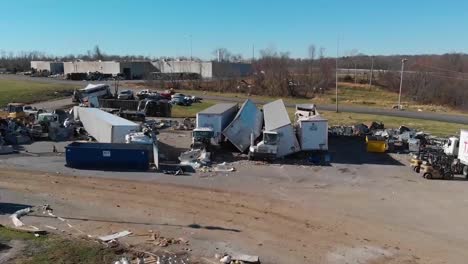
x=248, y=119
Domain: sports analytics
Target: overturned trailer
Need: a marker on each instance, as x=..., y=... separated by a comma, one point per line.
x=248, y=122
x=277, y=121
x=104, y=127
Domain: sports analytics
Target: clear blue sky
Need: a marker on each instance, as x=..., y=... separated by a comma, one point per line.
x=162, y=28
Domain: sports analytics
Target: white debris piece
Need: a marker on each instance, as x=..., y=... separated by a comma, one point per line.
x=223, y=167
x=115, y=236
x=18, y=214
x=226, y=259
x=245, y=258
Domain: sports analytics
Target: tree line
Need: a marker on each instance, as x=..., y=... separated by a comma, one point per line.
x=430, y=79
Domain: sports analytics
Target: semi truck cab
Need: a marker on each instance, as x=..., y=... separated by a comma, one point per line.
x=265, y=149
x=202, y=137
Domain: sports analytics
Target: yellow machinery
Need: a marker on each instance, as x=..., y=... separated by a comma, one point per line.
x=15, y=110
x=376, y=144
x=416, y=163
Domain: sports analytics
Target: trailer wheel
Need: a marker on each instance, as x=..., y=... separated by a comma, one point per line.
x=465, y=171
x=448, y=176
x=427, y=176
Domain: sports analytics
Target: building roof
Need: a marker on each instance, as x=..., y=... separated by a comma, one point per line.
x=218, y=108
x=275, y=115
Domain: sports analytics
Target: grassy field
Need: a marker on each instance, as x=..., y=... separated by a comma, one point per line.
x=54, y=249
x=30, y=92
x=434, y=127
x=191, y=111
x=348, y=94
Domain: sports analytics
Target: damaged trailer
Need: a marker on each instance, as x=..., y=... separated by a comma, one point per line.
x=215, y=118
x=279, y=139
x=104, y=127
x=311, y=128
x=248, y=121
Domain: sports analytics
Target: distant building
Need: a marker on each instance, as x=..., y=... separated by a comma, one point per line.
x=206, y=70
x=127, y=69
x=52, y=67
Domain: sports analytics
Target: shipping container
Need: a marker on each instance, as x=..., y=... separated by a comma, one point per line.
x=312, y=132
x=109, y=156
x=277, y=120
x=217, y=117
x=104, y=127
x=249, y=120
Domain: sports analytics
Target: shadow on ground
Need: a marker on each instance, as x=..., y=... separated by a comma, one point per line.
x=10, y=208
x=193, y=226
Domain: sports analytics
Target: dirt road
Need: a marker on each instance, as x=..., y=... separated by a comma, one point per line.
x=287, y=220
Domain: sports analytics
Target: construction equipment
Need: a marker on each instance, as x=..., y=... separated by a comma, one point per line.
x=416, y=163
x=16, y=110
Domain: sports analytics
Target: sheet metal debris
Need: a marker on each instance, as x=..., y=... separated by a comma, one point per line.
x=115, y=236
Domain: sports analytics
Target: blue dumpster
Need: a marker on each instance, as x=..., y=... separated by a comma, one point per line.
x=108, y=156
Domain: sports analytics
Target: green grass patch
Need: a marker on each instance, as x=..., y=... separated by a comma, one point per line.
x=191, y=111
x=348, y=94
x=55, y=249
x=9, y=234
x=30, y=92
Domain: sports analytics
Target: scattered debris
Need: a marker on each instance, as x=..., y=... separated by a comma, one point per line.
x=115, y=236
x=18, y=214
x=223, y=167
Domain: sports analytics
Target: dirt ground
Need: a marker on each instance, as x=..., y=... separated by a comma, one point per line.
x=363, y=208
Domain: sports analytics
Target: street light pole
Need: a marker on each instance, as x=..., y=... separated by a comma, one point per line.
x=371, y=72
x=191, y=54
x=336, y=73
x=401, y=81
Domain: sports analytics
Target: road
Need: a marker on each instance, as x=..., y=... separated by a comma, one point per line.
x=451, y=118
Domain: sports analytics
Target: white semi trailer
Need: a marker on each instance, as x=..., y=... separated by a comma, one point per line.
x=104, y=127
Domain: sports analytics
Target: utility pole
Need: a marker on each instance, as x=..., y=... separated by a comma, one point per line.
x=355, y=72
x=401, y=81
x=371, y=72
x=336, y=73
x=191, y=54
x=253, y=52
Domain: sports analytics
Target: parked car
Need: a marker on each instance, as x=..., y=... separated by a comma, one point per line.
x=181, y=100
x=126, y=95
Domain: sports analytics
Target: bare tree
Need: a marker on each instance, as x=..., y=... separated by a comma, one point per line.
x=312, y=52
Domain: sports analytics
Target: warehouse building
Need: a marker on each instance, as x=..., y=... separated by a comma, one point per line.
x=52, y=67
x=127, y=69
x=205, y=70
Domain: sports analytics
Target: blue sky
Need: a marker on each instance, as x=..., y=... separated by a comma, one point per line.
x=162, y=28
